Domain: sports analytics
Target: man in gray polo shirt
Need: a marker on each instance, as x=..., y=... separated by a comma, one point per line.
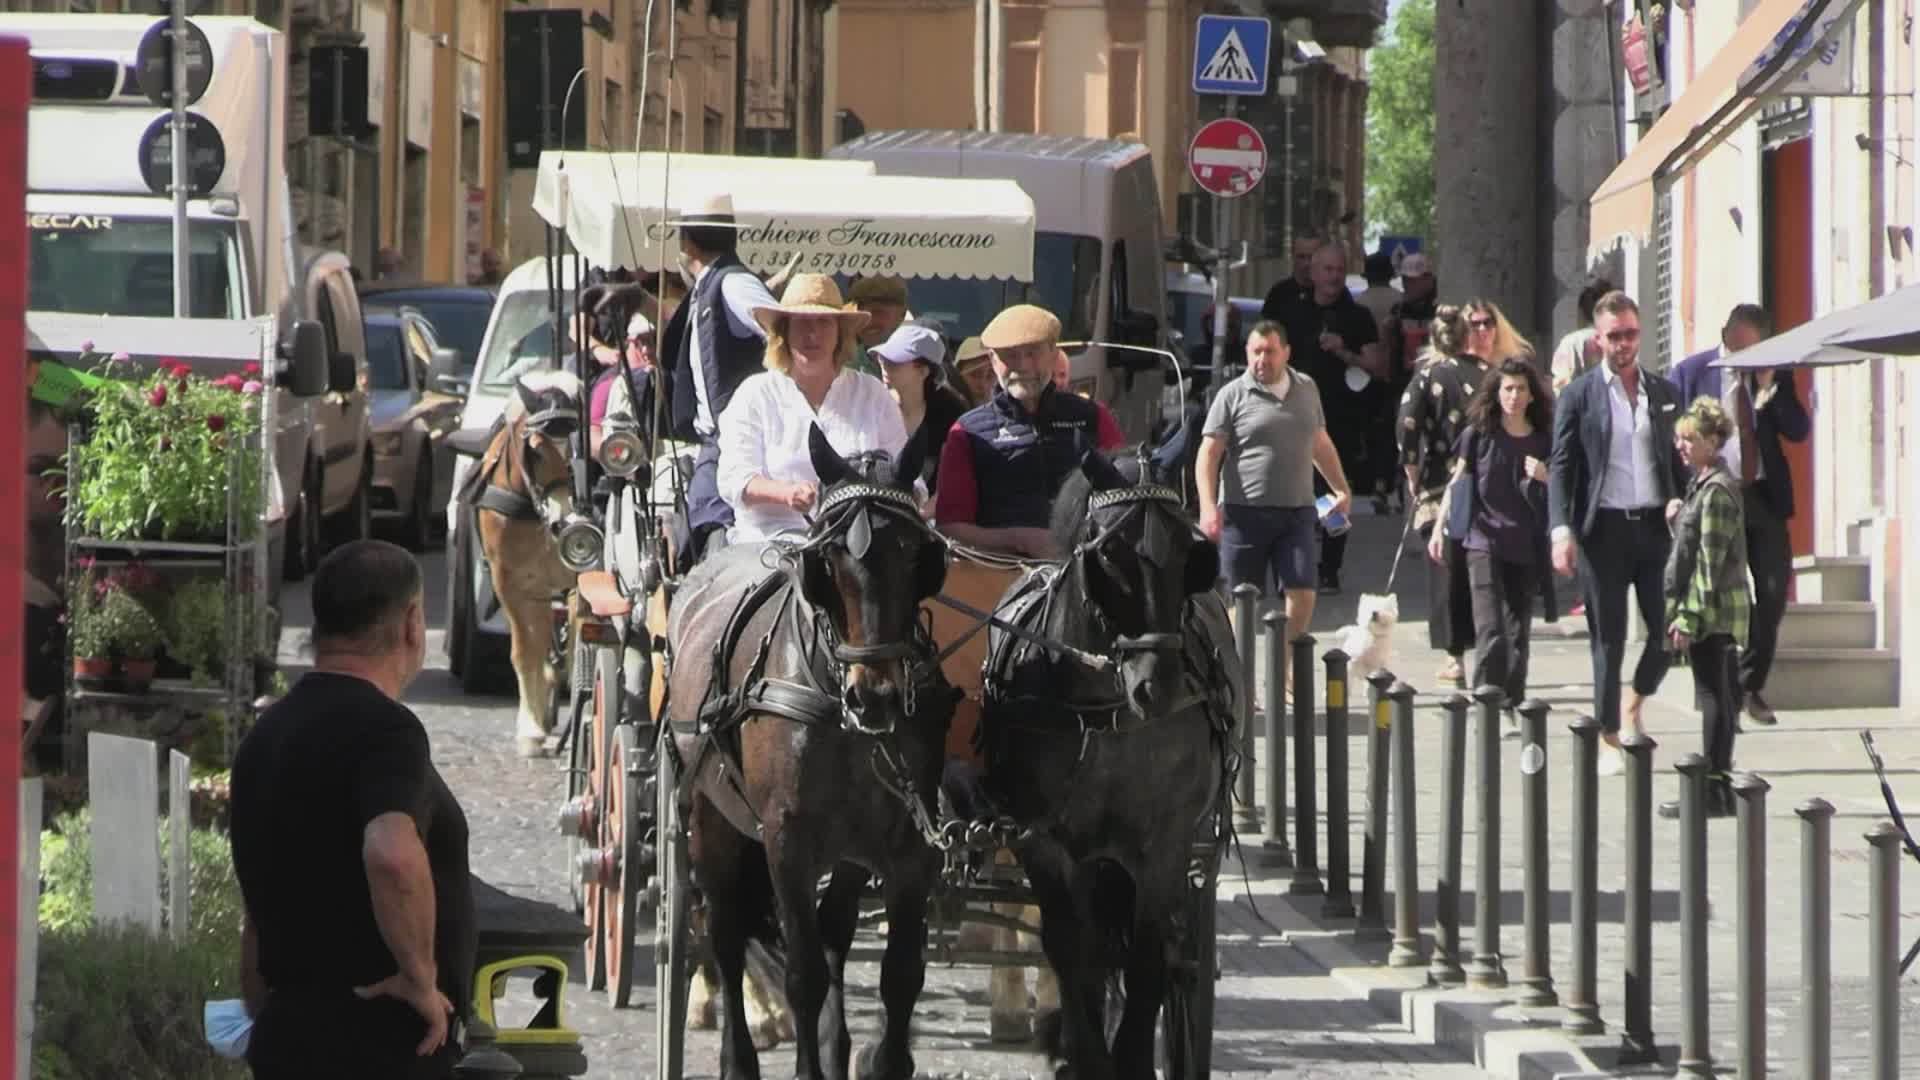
x=1270, y=423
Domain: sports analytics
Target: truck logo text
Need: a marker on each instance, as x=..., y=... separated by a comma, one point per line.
x=88, y=222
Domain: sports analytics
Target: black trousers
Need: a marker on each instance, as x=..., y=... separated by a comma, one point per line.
x=1713, y=660
x=1450, y=611
x=331, y=1035
x=1625, y=550
x=1770, y=558
x=1502, y=621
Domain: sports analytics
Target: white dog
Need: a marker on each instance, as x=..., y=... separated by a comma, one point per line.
x=1369, y=642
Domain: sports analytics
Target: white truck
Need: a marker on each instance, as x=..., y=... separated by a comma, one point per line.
x=101, y=239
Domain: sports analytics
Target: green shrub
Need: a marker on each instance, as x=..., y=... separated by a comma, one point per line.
x=118, y=1001
x=196, y=628
x=115, y=1000
x=131, y=628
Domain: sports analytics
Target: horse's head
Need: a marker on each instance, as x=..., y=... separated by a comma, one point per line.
x=539, y=419
x=868, y=562
x=1137, y=558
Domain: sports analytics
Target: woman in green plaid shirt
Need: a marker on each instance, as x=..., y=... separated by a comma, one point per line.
x=1707, y=594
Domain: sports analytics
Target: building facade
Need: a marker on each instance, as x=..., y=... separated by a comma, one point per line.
x=430, y=178
x=1800, y=194
x=1120, y=69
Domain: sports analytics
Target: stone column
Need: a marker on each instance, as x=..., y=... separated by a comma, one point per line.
x=1487, y=153
x=1578, y=129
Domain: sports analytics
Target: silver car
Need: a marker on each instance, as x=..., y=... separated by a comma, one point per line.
x=416, y=399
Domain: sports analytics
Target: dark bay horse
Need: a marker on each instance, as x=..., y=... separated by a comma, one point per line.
x=1112, y=771
x=821, y=719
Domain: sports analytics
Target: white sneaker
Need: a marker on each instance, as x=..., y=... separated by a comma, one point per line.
x=1613, y=761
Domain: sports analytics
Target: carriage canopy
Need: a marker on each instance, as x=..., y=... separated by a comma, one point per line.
x=836, y=217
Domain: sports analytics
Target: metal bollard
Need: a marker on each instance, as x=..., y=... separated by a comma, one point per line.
x=1487, y=970
x=1695, y=1059
x=1339, y=901
x=1246, y=602
x=1883, y=951
x=1372, y=925
x=1816, y=938
x=1583, y=1004
x=1306, y=818
x=1275, y=841
x=1752, y=899
x=1406, y=835
x=1445, y=968
x=1536, y=984
x=1636, y=1044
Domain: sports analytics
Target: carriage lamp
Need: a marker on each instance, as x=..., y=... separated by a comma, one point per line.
x=581, y=543
x=621, y=453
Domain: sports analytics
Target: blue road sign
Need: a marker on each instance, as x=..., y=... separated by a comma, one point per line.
x=1230, y=55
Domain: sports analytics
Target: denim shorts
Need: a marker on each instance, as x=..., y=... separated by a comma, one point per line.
x=1261, y=545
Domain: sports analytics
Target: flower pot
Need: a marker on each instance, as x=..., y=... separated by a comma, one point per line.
x=137, y=675
x=92, y=673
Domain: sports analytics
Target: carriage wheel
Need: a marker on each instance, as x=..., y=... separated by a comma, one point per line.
x=595, y=872
x=670, y=947
x=580, y=738
x=622, y=897
x=1186, y=1035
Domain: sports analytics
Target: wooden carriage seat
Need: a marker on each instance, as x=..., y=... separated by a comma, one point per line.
x=979, y=586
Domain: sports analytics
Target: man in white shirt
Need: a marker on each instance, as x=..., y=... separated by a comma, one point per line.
x=1614, y=481
x=714, y=344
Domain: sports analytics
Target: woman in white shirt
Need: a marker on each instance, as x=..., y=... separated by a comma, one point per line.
x=766, y=473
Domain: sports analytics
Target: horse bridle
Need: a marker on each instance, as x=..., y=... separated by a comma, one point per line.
x=842, y=516
x=1138, y=500
x=517, y=452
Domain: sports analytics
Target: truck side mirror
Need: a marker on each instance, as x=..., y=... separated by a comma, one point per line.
x=443, y=375
x=303, y=354
x=343, y=374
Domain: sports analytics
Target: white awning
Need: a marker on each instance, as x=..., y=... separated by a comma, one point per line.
x=834, y=216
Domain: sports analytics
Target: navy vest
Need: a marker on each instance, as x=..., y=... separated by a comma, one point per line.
x=1020, y=462
x=726, y=360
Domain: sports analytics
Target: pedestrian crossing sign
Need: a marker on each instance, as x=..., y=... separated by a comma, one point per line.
x=1230, y=55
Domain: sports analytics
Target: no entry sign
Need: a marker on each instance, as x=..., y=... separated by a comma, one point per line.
x=1227, y=157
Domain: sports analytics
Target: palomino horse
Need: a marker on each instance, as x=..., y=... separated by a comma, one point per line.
x=820, y=717
x=521, y=492
x=1112, y=770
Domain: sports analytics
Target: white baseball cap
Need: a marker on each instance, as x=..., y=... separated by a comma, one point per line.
x=639, y=326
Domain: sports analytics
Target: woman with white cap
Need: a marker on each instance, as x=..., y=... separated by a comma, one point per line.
x=913, y=363
x=766, y=472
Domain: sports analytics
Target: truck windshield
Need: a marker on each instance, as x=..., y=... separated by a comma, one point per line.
x=521, y=340
x=1066, y=280
x=95, y=264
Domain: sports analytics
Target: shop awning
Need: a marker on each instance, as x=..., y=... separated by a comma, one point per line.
x=832, y=216
x=1886, y=326
x=1718, y=100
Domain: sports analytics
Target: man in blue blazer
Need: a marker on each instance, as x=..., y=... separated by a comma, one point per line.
x=1772, y=404
x=1614, y=482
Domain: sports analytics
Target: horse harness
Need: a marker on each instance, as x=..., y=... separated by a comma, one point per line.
x=554, y=420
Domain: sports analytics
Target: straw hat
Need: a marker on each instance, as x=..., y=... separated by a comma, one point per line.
x=883, y=289
x=970, y=352
x=710, y=211
x=811, y=294
x=1021, y=324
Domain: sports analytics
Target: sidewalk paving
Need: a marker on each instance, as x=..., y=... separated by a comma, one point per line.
x=1809, y=754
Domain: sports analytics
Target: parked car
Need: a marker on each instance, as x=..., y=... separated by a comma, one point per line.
x=333, y=502
x=416, y=398
x=458, y=313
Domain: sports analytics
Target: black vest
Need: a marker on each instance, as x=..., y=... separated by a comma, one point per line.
x=1020, y=462
x=726, y=359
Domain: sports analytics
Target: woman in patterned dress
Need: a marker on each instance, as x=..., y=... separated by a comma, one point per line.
x=1433, y=413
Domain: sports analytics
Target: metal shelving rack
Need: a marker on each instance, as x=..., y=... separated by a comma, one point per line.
x=241, y=559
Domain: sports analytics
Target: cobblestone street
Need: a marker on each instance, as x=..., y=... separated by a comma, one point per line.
x=1278, y=1015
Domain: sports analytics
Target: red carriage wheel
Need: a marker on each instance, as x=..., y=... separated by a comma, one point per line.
x=622, y=892
x=594, y=869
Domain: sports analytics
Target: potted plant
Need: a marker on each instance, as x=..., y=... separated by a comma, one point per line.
x=88, y=633
x=135, y=638
x=196, y=628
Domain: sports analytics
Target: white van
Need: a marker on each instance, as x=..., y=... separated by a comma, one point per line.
x=1096, y=252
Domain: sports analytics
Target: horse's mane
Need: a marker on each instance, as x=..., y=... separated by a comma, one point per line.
x=1070, y=506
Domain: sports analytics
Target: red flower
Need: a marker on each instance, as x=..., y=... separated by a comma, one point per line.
x=157, y=396
x=250, y=370
x=216, y=422
x=231, y=382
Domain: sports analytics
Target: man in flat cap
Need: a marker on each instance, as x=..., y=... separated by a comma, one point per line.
x=1020, y=445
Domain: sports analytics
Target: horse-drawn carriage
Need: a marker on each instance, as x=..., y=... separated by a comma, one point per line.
x=783, y=716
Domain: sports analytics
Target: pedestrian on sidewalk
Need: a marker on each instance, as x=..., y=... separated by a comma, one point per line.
x=1269, y=426
x=1765, y=407
x=1614, y=482
x=1492, y=338
x=1708, y=606
x=358, y=936
x=1580, y=349
x=1503, y=524
x=1433, y=413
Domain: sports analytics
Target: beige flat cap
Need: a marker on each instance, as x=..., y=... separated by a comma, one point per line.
x=881, y=289
x=970, y=350
x=1021, y=324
